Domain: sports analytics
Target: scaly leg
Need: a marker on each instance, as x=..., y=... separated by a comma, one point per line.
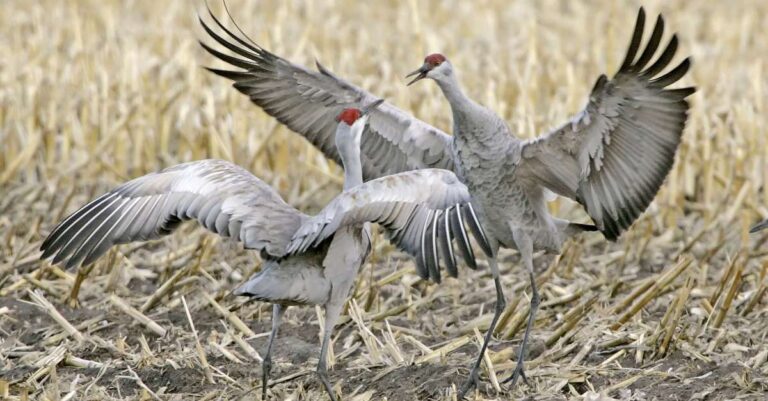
x=82, y=273
x=501, y=303
x=266, y=364
x=332, y=313
x=525, y=246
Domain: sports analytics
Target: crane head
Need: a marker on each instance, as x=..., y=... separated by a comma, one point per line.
x=349, y=116
x=434, y=62
x=352, y=122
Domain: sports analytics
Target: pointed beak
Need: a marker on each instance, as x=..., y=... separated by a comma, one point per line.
x=421, y=73
x=369, y=108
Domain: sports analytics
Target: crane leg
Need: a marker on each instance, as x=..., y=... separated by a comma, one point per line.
x=501, y=303
x=332, y=313
x=82, y=273
x=525, y=246
x=266, y=364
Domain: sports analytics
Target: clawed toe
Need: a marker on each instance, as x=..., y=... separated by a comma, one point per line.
x=473, y=381
x=519, y=373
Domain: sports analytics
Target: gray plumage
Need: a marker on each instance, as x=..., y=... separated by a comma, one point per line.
x=381, y=200
x=221, y=196
x=307, y=102
x=612, y=157
x=308, y=260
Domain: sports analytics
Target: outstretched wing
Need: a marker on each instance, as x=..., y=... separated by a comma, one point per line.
x=223, y=197
x=423, y=210
x=614, y=155
x=307, y=102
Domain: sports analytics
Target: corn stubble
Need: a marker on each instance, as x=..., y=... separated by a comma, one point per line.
x=92, y=94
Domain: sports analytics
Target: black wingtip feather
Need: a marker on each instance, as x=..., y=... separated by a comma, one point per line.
x=663, y=60
x=651, y=46
x=461, y=238
x=229, y=45
x=229, y=74
x=47, y=252
x=600, y=83
x=253, y=45
x=54, y=238
x=447, y=245
x=433, y=261
x=680, y=93
x=421, y=269
x=477, y=230
x=611, y=231
x=637, y=37
x=424, y=268
x=429, y=250
x=673, y=75
x=244, y=64
x=250, y=46
x=584, y=227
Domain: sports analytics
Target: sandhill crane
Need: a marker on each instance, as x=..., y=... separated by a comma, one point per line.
x=307, y=260
x=612, y=157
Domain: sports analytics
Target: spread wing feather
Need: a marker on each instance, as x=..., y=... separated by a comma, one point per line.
x=307, y=102
x=412, y=206
x=223, y=197
x=614, y=155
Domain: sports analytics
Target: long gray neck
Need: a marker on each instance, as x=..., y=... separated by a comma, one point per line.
x=353, y=169
x=474, y=124
x=452, y=90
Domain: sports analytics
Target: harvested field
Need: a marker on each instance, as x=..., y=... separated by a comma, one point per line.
x=94, y=93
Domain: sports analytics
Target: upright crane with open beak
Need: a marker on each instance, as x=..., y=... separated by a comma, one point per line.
x=308, y=260
x=612, y=157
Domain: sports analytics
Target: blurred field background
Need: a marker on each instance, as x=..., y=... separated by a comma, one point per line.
x=93, y=93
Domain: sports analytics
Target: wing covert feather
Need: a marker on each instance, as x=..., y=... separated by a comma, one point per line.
x=223, y=197
x=614, y=155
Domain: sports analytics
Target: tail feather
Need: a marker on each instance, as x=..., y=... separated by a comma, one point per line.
x=578, y=227
x=287, y=284
x=570, y=229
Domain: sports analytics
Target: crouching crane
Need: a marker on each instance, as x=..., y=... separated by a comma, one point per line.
x=307, y=260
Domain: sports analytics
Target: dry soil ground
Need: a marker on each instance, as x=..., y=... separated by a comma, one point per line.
x=93, y=93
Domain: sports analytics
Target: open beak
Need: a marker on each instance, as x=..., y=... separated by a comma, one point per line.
x=422, y=73
x=367, y=109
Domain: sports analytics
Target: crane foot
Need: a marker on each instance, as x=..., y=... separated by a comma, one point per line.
x=473, y=381
x=323, y=375
x=517, y=374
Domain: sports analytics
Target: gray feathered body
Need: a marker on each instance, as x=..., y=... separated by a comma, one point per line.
x=611, y=157
x=295, y=280
x=306, y=278
x=486, y=156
